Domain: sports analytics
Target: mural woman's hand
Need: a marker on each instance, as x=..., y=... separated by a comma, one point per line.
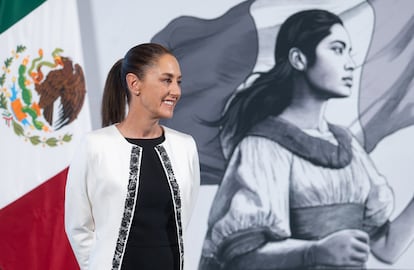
x=342, y=248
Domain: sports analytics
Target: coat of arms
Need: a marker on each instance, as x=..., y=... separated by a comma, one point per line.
x=40, y=96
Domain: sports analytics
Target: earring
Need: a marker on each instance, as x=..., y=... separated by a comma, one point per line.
x=137, y=93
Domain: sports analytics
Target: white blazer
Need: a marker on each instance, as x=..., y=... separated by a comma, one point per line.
x=101, y=192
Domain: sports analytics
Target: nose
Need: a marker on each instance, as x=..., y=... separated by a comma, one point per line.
x=350, y=63
x=175, y=89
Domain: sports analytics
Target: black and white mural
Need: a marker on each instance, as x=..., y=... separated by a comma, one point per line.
x=303, y=113
x=296, y=185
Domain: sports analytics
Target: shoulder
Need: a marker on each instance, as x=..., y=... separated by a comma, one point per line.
x=347, y=135
x=342, y=131
x=107, y=137
x=179, y=144
x=259, y=143
x=105, y=133
x=262, y=148
x=175, y=135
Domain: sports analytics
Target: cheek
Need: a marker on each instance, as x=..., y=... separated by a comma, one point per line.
x=318, y=77
x=324, y=74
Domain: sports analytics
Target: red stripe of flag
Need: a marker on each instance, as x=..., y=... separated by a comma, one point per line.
x=32, y=232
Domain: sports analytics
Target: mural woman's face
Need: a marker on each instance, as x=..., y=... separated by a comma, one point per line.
x=332, y=73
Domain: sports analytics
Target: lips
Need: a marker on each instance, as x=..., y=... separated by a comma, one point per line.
x=169, y=102
x=348, y=81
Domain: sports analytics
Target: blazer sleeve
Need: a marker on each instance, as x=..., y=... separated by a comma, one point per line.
x=79, y=224
x=195, y=179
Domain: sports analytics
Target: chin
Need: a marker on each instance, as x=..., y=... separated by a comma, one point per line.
x=344, y=92
x=166, y=116
x=341, y=95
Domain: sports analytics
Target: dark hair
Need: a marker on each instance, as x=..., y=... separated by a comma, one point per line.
x=116, y=94
x=271, y=92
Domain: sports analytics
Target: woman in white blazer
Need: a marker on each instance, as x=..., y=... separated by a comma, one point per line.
x=132, y=185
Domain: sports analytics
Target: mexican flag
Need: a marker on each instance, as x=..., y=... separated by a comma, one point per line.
x=44, y=113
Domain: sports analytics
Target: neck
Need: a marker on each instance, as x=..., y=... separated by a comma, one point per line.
x=307, y=109
x=135, y=127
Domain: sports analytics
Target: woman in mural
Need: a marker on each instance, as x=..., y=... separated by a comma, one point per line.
x=298, y=191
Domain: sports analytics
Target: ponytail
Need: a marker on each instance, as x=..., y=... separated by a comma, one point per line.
x=114, y=98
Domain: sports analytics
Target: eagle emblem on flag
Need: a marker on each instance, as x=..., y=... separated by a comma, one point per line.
x=39, y=96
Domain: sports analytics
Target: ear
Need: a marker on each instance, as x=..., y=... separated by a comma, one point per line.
x=133, y=82
x=297, y=59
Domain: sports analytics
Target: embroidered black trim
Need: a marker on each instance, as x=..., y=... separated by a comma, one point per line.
x=176, y=197
x=317, y=151
x=128, y=208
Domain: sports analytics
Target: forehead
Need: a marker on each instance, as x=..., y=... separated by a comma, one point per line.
x=338, y=34
x=166, y=60
x=166, y=64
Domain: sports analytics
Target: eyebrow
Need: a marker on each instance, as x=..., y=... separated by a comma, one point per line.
x=170, y=75
x=342, y=43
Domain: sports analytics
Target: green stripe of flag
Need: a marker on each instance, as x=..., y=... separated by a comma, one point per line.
x=12, y=11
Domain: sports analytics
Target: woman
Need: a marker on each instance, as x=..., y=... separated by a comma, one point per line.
x=132, y=186
x=298, y=191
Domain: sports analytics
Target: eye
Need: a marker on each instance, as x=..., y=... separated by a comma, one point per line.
x=167, y=80
x=338, y=49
